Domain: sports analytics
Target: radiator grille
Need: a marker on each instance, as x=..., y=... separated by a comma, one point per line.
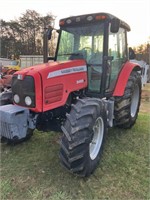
x=23, y=88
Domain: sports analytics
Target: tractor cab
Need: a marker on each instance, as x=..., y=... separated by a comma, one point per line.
x=99, y=39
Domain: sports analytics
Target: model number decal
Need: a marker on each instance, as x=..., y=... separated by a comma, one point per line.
x=80, y=81
x=66, y=71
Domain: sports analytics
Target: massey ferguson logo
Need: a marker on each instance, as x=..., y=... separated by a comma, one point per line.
x=66, y=71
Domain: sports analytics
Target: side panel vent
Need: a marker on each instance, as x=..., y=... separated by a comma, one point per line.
x=53, y=94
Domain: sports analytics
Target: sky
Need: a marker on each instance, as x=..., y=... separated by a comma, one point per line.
x=134, y=12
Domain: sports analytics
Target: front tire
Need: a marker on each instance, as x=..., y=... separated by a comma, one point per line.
x=127, y=106
x=84, y=132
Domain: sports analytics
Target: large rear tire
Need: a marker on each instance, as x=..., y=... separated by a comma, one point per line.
x=83, y=138
x=127, y=106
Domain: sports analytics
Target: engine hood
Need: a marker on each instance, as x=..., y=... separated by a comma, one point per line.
x=53, y=69
x=53, y=83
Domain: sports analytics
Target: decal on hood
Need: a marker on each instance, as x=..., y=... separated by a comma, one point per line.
x=66, y=71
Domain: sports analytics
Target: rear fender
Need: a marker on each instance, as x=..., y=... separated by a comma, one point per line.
x=123, y=77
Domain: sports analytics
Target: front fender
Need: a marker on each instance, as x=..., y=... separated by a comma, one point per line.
x=124, y=76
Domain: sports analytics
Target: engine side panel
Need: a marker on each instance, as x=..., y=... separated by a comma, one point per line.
x=57, y=85
x=123, y=78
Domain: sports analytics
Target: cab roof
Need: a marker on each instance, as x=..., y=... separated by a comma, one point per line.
x=91, y=18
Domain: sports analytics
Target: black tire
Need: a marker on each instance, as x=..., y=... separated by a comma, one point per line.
x=127, y=106
x=86, y=124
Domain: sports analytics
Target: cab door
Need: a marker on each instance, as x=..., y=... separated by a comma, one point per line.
x=117, y=50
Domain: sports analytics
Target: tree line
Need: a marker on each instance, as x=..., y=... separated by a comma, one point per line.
x=24, y=36
x=143, y=52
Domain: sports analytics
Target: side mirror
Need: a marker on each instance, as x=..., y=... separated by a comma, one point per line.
x=115, y=24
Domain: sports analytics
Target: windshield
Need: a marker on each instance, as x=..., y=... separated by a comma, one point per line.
x=83, y=42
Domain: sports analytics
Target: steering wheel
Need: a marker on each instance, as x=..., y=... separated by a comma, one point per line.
x=88, y=51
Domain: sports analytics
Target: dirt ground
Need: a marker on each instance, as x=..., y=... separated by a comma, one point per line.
x=145, y=101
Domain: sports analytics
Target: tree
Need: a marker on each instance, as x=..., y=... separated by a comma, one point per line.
x=25, y=35
x=30, y=22
x=143, y=52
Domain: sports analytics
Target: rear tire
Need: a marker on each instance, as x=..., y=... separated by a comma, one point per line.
x=84, y=132
x=127, y=106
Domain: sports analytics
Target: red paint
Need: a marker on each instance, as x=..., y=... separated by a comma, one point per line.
x=123, y=78
x=53, y=92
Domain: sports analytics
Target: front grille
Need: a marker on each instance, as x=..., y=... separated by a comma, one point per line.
x=23, y=88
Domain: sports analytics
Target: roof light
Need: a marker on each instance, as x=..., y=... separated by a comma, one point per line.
x=68, y=21
x=100, y=17
x=90, y=18
x=78, y=19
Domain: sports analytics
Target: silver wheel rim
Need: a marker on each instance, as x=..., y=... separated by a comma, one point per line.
x=135, y=101
x=96, y=143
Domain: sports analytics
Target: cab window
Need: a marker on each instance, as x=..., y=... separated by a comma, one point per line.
x=117, y=49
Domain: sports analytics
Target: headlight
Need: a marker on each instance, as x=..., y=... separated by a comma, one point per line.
x=16, y=98
x=28, y=100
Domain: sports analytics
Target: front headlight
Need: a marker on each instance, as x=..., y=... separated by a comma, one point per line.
x=16, y=98
x=28, y=100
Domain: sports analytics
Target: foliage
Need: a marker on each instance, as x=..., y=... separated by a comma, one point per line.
x=24, y=35
x=143, y=52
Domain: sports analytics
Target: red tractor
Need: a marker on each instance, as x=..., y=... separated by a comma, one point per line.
x=91, y=86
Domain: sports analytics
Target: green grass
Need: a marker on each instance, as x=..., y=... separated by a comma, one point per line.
x=32, y=170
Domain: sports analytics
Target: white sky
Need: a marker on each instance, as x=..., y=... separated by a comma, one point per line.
x=135, y=12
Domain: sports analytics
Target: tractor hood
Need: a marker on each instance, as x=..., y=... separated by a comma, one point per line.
x=54, y=69
x=48, y=85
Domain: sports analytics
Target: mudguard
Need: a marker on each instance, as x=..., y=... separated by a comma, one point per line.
x=124, y=76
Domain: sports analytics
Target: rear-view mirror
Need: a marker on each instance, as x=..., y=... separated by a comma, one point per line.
x=115, y=24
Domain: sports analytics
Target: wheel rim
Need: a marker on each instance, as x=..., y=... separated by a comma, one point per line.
x=96, y=143
x=135, y=101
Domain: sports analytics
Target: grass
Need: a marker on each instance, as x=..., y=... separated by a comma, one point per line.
x=32, y=170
